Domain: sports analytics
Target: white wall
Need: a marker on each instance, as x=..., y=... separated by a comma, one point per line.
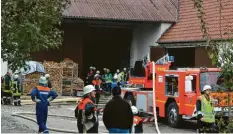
x=3, y=68
x=144, y=36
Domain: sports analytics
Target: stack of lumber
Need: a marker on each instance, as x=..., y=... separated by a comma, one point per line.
x=68, y=67
x=30, y=81
x=63, y=75
x=54, y=69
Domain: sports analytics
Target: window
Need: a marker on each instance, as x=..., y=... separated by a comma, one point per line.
x=194, y=83
x=171, y=87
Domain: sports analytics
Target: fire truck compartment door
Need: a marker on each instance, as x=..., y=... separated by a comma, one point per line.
x=141, y=102
x=190, y=98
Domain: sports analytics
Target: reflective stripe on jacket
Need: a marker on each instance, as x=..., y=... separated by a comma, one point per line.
x=15, y=89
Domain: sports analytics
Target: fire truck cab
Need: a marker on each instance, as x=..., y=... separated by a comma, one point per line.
x=175, y=91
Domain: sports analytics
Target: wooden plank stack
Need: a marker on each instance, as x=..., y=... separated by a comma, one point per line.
x=54, y=69
x=68, y=76
x=30, y=81
x=63, y=75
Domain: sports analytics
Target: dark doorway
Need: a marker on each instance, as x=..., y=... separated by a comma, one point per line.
x=106, y=48
x=183, y=57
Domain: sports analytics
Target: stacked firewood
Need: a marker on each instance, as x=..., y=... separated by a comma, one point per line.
x=30, y=81
x=54, y=69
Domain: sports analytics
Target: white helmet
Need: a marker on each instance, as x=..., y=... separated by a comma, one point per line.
x=91, y=67
x=16, y=76
x=134, y=109
x=47, y=76
x=17, y=71
x=115, y=77
x=97, y=75
x=42, y=80
x=94, y=68
x=105, y=69
x=118, y=71
x=88, y=89
x=206, y=87
x=124, y=69
x=98, y=72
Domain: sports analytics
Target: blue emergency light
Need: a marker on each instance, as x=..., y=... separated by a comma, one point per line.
x=171, y=58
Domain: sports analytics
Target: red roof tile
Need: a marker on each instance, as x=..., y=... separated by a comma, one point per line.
x=134, y=10
x=188, y=26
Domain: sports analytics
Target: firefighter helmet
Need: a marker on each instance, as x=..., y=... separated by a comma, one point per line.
x=115, y=77
x=47, y=76
x=42, y=80
x=206, y=87
x=16, y=76
x=88, y=89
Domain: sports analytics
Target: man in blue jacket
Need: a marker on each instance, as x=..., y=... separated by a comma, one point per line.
x=42, y=95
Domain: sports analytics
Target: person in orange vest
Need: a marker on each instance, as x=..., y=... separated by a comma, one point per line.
x=42, y=95
x=85, y=112
x=137, y=121
x=97, y=84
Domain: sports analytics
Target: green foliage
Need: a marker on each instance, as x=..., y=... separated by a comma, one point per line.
x=29, y=26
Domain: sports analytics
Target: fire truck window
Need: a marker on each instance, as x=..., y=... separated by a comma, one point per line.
x=171, y=87
x=194, y=83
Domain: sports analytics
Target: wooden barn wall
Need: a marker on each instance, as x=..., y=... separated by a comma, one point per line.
x=71, y=48
x=201, y=58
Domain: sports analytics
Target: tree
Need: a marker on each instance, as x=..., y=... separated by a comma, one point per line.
x=29, y=26
x=221, y=53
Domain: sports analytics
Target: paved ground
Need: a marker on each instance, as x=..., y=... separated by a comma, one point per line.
x=12, y=124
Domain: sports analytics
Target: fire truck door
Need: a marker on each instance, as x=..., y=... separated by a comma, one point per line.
x=190, y=98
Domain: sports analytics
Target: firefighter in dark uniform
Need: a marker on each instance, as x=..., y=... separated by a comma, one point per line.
x=85, y=112
x=6, y=89
x=15, y=89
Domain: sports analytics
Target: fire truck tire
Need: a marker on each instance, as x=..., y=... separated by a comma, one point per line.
x=173, y=116
x=130, y=99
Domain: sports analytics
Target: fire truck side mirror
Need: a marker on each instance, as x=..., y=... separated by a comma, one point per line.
x=188, y=83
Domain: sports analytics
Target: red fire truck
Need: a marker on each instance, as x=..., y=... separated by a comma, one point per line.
x=174, y=92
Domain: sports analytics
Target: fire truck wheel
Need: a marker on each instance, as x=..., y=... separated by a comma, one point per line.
x=173, y=115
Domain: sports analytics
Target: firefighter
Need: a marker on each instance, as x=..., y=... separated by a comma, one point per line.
x=90, y=75
x=47, y=76
x=205, y=111
x=15, y=89
x=104, y=79
x=114, y=82
x=94, y=70
x=97, y=84
x=42, y=95
x=49, y=83
x=117, y=115
x=108, y=78
x=118, y=75
x=137, y=121
x=124, y=76
x=6, y=89
x=85, y=112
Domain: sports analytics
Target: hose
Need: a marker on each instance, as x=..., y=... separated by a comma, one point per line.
x=50, y=128
x=154, y=99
